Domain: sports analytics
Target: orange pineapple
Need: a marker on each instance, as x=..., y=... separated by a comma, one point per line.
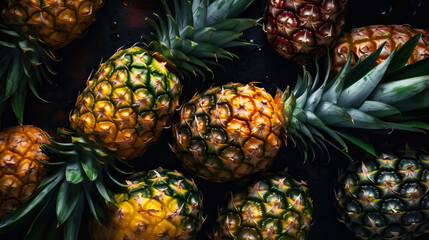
x=20, y=169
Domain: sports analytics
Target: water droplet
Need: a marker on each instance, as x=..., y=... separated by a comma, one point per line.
x=383, y=13
x=252, y=40
x=259, y=49
x=115, y=37
x=125, y=2
x=113, y=24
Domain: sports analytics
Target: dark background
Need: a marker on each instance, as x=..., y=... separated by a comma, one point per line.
x=121, y=25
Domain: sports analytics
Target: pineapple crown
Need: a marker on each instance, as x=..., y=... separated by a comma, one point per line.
x=24, y=65
x=368, y=98
x=85, y=176
x=195, y=35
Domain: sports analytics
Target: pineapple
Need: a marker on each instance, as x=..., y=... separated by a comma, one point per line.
x=135, y=93
x=228, y=132
x=124, y=108
x=274, y=207
x=20, y=169
x=365, y=40
x=33, y=26
x=299, y=30
x=54, y=23
x=158, y=204
x=128, y=102
x=386, y=197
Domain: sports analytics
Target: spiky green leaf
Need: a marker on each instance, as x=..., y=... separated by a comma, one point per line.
x=89, y=167
x=358, y=142
x=72, y=225
x=18, y=103
x=401, y=90
x=103, y=191
x=74, y=173
x=362, y=66
x=378, y=109
x=404, y=53
x=33, y=205
x=42, y=224
x=356, y=93
x=67, y=198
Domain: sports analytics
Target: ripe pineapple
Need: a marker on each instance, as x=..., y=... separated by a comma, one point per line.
x=274, y=207
x=158, y=204
x=235, y=130
x=33, y=26
x=135, y=93
x=228, y=132
x=386, y=197
x=298, y=30
x=365, y=40
x=126, y=104
x=20, y=169
x=55, y=23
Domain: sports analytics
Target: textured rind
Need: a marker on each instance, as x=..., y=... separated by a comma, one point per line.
x=228, y=132
x=387, y=197
x=365, y=40
x=20, y=169
x=301, y=29
x=275, y=207
x=159, y=204
x=55, y=22
x=128, y=102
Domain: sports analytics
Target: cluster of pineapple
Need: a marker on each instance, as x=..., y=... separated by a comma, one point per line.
x=223, y=134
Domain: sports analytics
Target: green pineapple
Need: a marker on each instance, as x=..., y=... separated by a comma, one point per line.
x=274, y=207
x=386, y=197
x=126, y=104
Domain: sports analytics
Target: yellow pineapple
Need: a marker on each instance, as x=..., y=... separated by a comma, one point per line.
x=158, y=204
x=128, y=102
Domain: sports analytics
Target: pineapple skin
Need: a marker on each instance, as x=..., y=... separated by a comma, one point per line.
x=55, y=22
x=386, y=197
x=128, y=102
x=299, y=30
x=229, y=132
x=365, y=40
x=273, y=207
x=20, y=169
x=159, y=204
